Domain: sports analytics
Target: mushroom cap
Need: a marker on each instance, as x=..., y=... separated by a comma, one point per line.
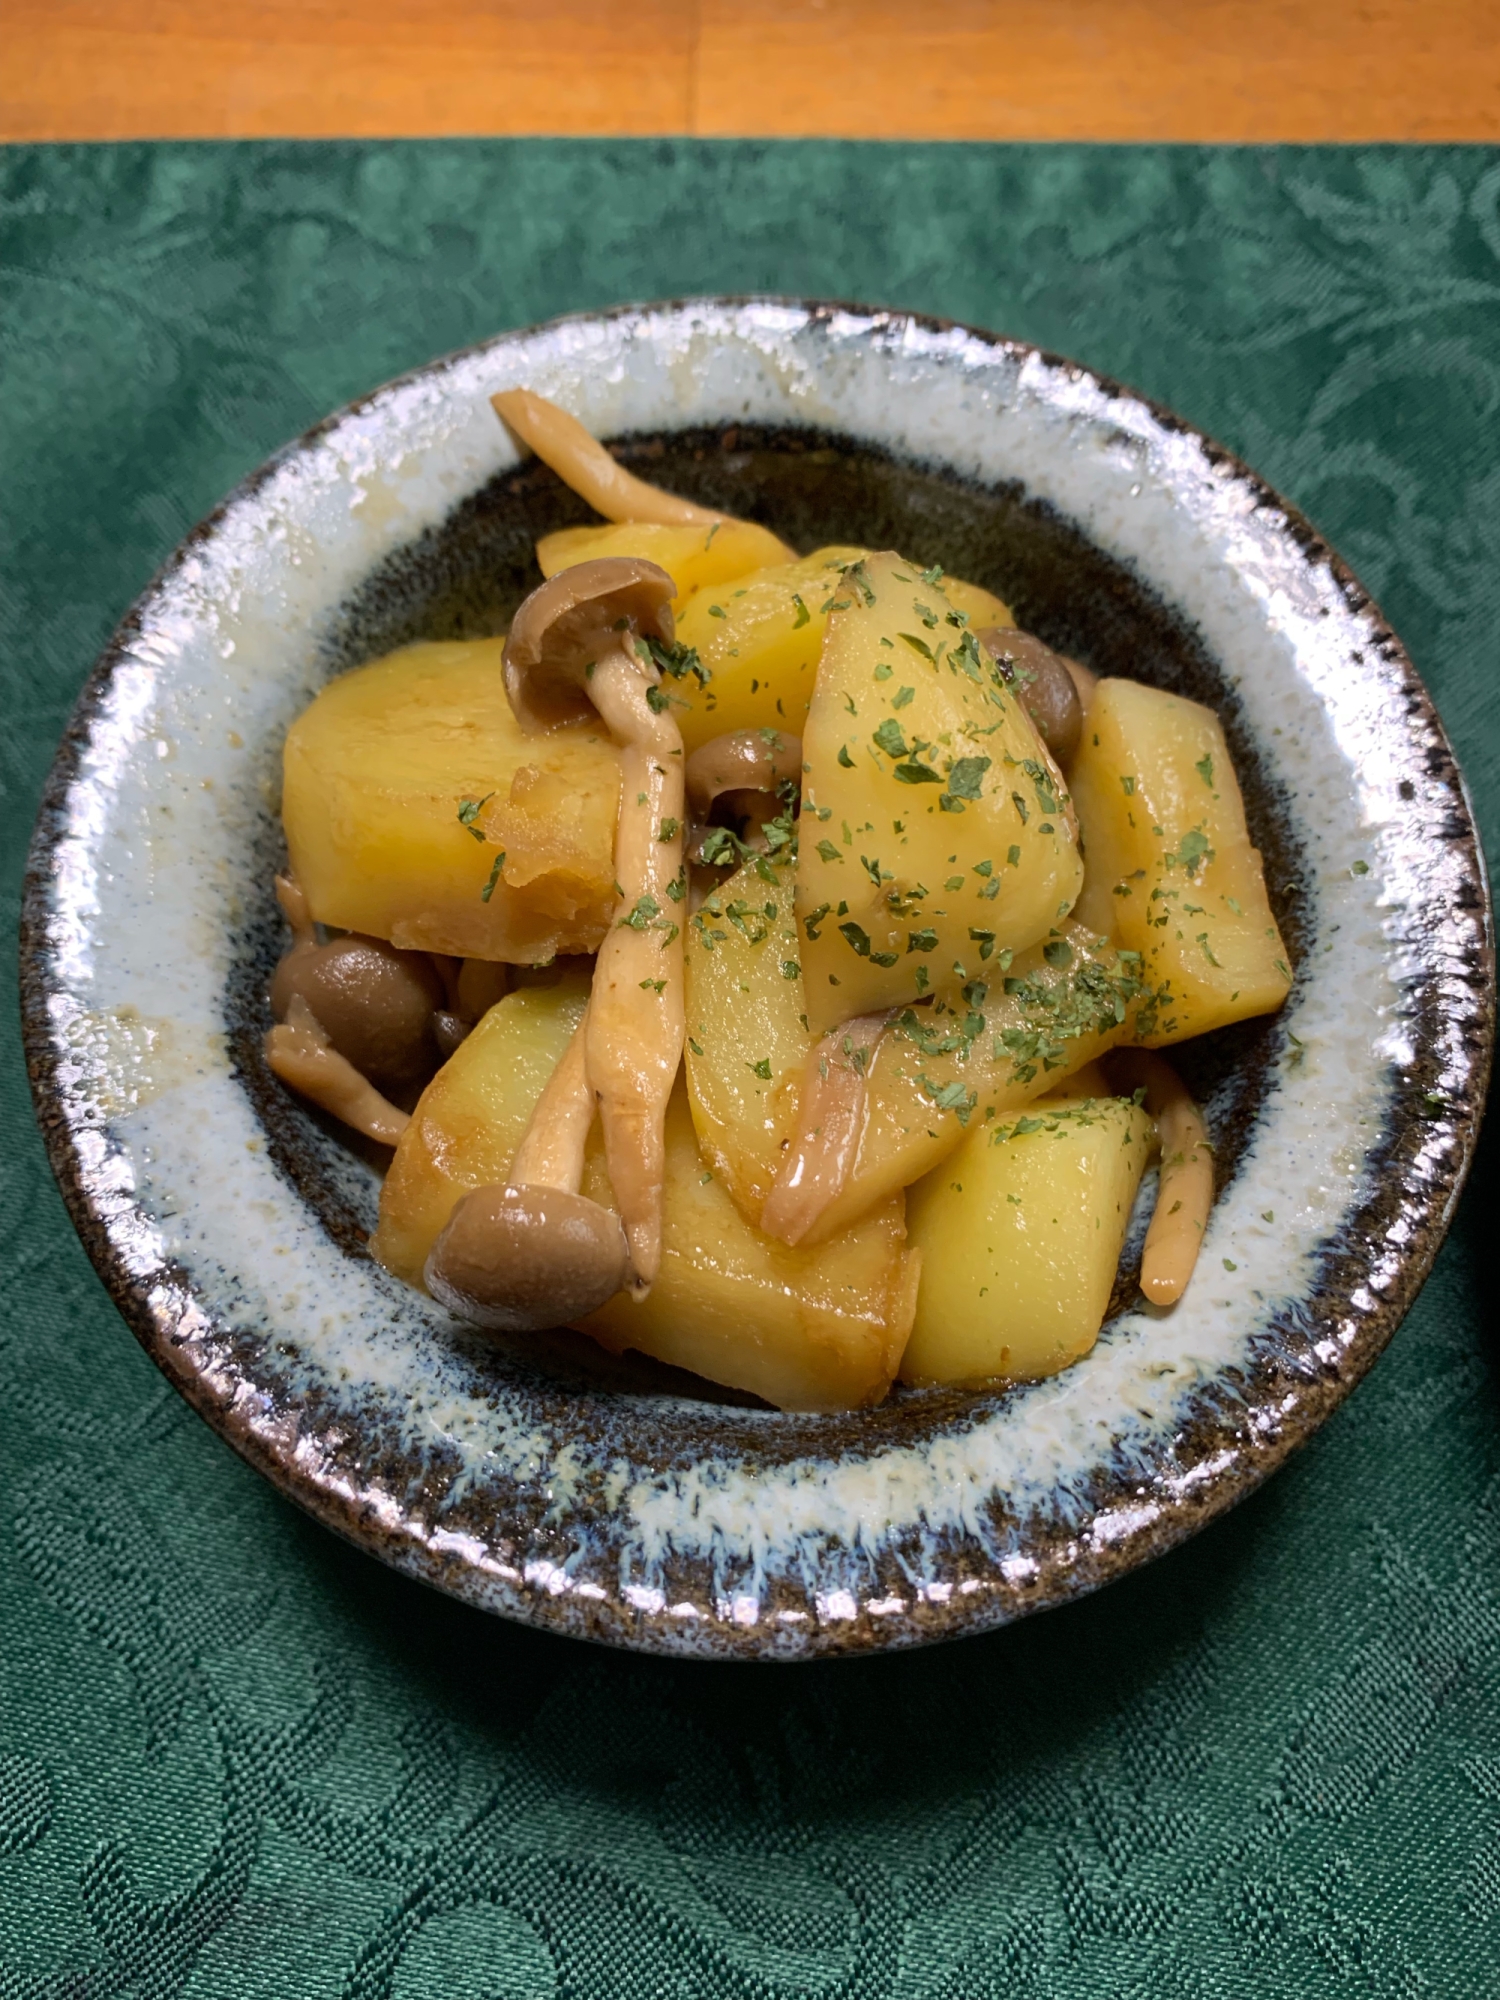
x=1048, y=693
x=573, y=619
x=741, y=760
x=522, y=1259
x=375, y=1003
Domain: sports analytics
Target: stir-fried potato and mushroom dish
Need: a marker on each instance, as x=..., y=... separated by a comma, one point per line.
x=756, y=959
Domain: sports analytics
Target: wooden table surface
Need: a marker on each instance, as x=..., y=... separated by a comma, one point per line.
x=965, y=69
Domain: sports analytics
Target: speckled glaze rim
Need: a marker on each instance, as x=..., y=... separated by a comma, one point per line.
x=1235, y=1428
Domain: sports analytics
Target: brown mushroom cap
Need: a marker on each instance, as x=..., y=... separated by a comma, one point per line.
x=375, y=1003
x=1047, y=689
x=522, y=1259
x=570, y=621
x=741, y=760
x=740, y=780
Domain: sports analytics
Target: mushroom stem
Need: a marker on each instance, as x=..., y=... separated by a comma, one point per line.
x=447, y=970
x=830, y=1125
x=580, y=461
x=636, y=1018
x=1185, y=1192
x=299, y=1051
x=294, y=907
x=480, y=983
x=552, y=1146
x=590, y=637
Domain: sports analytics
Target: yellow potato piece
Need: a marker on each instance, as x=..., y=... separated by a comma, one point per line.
x=1090, y=1081
x=760, y=639
x=374, y=774
x=747, y=1037
x=1163, y=826
x=806, y=1329
x=694, y=557
x=1016, y=1032
x=1020, y=1234
x=469, y=1120
x=981, y=607
x=933, y=821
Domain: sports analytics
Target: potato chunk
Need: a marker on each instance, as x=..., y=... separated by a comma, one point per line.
x=817, y=1329
x=807, y=1329
x=747, y=1038
x=759, y=639
x=1020, y=1234
x=979, y=606
x=933, y=821
x=693, y=557
x=1164, y=830
x=375, y=772
x=469, y=1120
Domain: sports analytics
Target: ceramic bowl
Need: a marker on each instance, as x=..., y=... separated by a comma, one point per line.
x=624, y=1503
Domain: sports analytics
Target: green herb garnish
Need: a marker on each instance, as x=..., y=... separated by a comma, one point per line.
x=469, y=811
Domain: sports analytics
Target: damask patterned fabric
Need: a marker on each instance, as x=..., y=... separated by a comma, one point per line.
x=239, y=1761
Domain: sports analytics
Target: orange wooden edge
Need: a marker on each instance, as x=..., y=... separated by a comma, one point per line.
x=969, y=69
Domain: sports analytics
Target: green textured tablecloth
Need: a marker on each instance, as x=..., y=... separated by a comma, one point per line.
x=237, y=1759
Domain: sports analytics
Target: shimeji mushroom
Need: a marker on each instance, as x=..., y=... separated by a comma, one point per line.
x=374, y=1002
x=347, y=1010
x=1185, y=1191
x=299, y=1051
x=1054, y=690
x=830, y=1122
x=590, y=639
x=748, y=770
x=535, y=1253
x=580, y=461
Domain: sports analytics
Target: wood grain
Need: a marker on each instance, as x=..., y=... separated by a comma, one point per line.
x=969, y=69
x=318, y=69
x=1103, y=69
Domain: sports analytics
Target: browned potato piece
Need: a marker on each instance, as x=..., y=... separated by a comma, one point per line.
x=376, y=773
x=1017, y=1032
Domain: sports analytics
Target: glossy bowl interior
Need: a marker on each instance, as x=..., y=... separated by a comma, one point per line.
x=618, y=1499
